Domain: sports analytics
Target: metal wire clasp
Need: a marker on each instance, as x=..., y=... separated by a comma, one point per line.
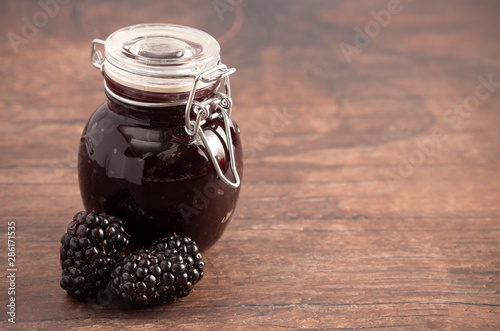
x=202, y=111
x=201, y=108
x=96, y=57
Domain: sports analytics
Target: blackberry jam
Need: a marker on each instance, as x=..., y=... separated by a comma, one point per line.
x=162, y=152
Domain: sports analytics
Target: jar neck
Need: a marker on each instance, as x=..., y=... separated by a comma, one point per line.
x=168, y=114
x=146, y=96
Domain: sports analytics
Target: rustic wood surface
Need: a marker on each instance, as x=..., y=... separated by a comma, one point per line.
x=368, y=201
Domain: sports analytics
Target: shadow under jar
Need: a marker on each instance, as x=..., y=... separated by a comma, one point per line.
x=162, y=153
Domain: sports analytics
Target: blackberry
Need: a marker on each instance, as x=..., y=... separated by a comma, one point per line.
x=90, y=247
x=150, y=277
x=188, y=250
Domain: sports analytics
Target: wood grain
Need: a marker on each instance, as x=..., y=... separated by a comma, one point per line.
x=321, y=239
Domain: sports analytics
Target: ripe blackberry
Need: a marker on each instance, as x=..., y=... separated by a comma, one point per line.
x=160, y=276
x=89, y=249
x=188, y=250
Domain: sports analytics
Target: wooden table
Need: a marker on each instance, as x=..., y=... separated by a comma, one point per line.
x=374, y=204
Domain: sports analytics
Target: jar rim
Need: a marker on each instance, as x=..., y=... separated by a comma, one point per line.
x=159, y=57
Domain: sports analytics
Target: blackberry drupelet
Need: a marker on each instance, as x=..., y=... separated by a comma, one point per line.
x=89, y=249
x=150, y=277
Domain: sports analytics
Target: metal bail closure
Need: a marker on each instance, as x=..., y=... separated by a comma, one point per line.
x=203, y=113
x=96, y=57
x=232, y=162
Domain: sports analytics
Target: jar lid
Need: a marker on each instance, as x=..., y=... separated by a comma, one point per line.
x=159, y=57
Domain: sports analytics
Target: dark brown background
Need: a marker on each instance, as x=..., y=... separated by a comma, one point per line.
x=320, y=238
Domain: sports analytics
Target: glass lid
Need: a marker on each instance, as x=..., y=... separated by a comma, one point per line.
x=159, y=57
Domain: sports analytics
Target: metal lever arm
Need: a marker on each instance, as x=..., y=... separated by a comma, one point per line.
x=232, y=161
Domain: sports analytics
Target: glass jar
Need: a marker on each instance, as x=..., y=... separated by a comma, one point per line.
x=162, y=153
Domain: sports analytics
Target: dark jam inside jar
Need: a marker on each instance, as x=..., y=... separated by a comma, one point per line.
x=139, y=163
